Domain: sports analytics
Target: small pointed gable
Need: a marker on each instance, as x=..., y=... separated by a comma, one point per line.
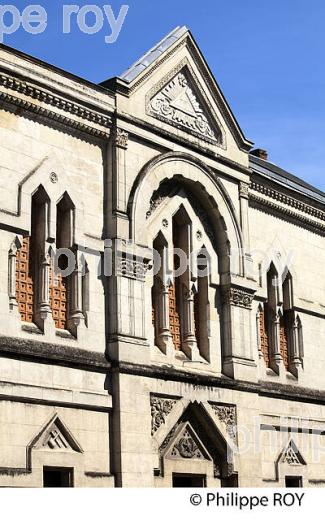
x=185, y=444
x=291, y=455
x=55, y=436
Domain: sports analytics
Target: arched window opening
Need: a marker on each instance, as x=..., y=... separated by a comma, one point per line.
x=85, y=291
x=286, y=322
x=267, y=320
x=264, y=334
x=60, y=286
x=25, y=281
x=201, y=304
x=28, y=278
x=156, y=287
x=181, y=250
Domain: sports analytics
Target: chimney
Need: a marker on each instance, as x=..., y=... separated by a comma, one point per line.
x=261, y=154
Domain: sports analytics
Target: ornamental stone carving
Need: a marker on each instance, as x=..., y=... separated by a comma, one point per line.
x=121, y=138
x=292, y=456
x=160, y=408
x=244, y=190
x=238, y=297
x=177, y=104
x=227, y=414
x=186, y=447
x=130, y=267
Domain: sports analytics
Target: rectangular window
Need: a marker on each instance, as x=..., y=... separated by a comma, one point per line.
x=57, y=477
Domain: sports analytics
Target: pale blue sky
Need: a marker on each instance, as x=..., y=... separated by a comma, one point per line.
x=267, y=56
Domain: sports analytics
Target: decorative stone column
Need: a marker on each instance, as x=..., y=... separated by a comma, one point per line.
x=244, y=221
x=238, y=358
x=165, y=342
x=12, y=259
x=76, y=316
x=45, y=263
x=117, y=225
x=276, y=358
x=189, y=344
x=43, y=312
x=295, y=361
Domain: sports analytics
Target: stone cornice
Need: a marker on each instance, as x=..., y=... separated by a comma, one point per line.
x=289, y=201
x=272, y=390
x=288, y=213
x=53, y=354
x=43, y=96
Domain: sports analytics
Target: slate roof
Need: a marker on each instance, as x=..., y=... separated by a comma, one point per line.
x=273, y=172
x=149, y=57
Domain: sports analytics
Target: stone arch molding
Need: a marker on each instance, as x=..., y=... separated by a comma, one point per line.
x=201, y=182
x=49, y=173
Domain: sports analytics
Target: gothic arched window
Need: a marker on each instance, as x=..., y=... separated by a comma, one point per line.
x=60, y=285
x=180, y=290
x=28, y=259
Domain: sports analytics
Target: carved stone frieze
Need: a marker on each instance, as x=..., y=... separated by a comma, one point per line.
x=227, y=414
x=131, y=267
x=160, y=408
x=285, y=213
x=60, y=103
x=239, y=297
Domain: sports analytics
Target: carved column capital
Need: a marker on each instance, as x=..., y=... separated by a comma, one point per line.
x=121, y=138
x=244, y=190
x=240, y=297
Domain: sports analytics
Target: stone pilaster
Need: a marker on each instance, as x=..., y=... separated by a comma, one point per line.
x=238, y=358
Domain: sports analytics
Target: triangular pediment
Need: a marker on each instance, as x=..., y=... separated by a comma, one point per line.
x=55, y=436
x=178, y=101
x=171, y=86
x=291, y=455
x=185, y=444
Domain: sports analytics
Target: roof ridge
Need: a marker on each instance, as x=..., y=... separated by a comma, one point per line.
x=146, y=59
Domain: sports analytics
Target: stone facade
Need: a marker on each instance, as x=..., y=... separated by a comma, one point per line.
x=123, y=373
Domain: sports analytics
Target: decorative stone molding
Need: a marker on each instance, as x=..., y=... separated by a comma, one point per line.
x=131, y=267
x=54, y=177
x=227, y=414
x=289, y=201
x=239, y=297
x=286, y=212
x=121, y=138
x=244, y=189
x=160, y=408
x=60, y=103
x=292, y=456
x=179, y=100
x=186, y=447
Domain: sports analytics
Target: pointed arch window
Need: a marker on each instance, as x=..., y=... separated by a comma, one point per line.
x=60, y=285
x=180, y=297
x=201, y=303
x=263, y=328
x=268, y=321
x=28, y=260
x=280, y=330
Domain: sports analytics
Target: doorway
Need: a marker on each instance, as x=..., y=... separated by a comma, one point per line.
x=294, y=482
x=57, y=477
x=188, y=481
